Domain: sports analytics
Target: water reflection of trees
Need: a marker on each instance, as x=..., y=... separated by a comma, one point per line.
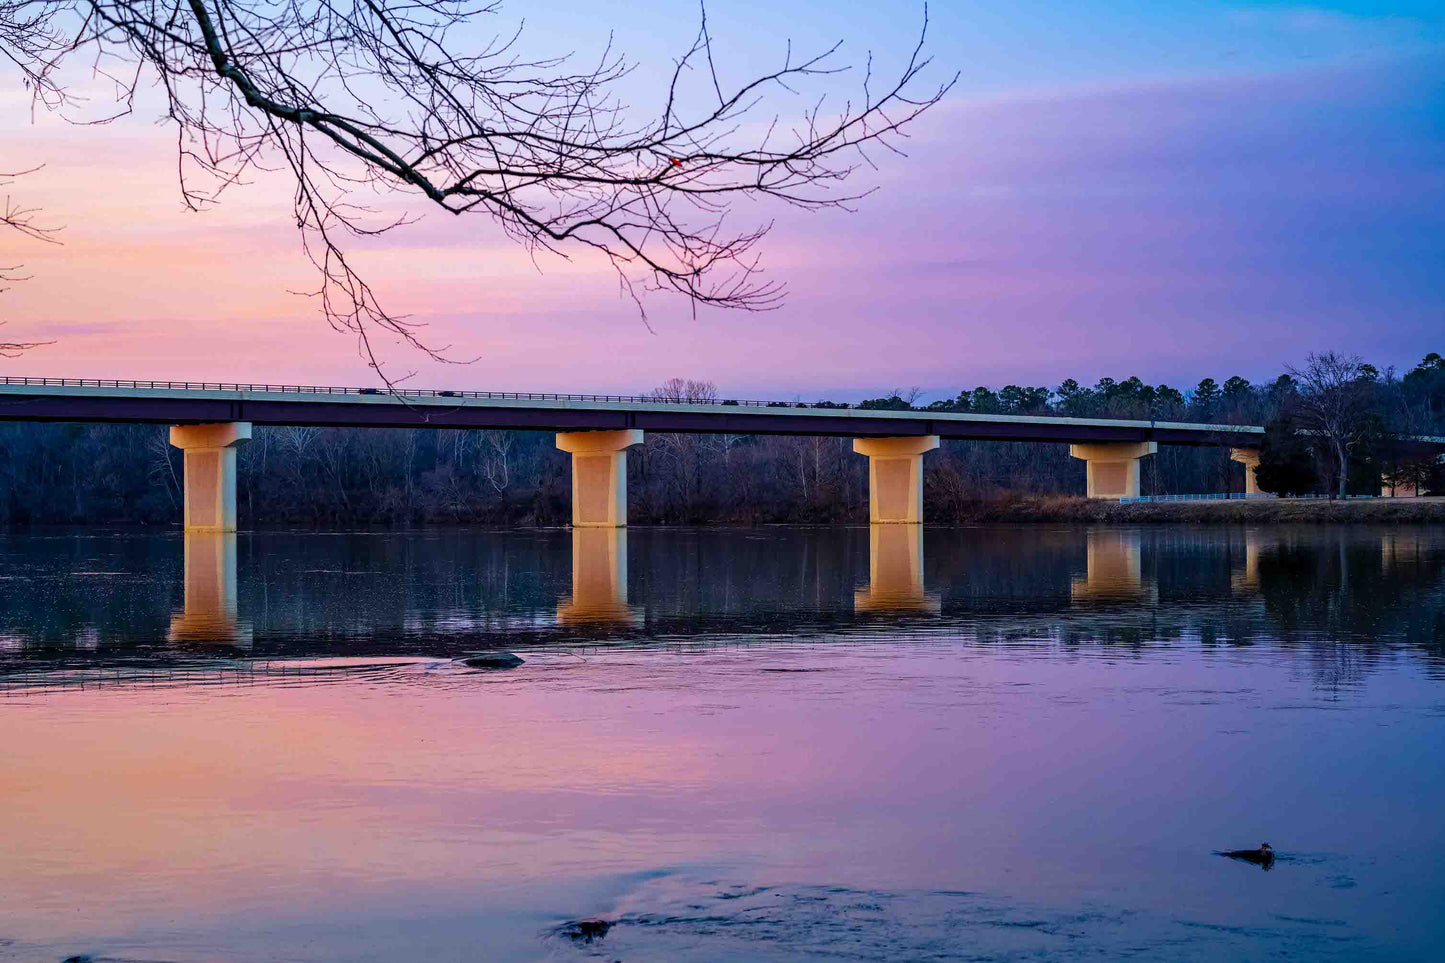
x=1348, y=597
x=1363, y=588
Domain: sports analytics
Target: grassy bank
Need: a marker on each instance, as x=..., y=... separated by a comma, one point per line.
x=1375, y=511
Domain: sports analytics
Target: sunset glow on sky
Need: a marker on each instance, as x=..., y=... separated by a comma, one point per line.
x=1172, y=190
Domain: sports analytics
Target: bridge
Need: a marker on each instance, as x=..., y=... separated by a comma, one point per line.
x=209, y=420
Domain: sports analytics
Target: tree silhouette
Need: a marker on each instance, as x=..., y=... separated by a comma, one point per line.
x=1335, y=403
x=1286, y=461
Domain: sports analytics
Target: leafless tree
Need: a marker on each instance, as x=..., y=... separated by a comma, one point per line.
x=358, y=97
x=162, y=466
x=682, y=455
x=909, y=395
x=298, y=437
x=496, y=461
x=1336, y=404
x=686, y=391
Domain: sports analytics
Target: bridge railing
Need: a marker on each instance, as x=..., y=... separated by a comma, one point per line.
x=399, y=392
x=404, y=393
x=1203, y=497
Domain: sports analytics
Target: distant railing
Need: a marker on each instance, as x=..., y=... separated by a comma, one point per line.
x=1219, y=496
x=400, y=392
x=404, y=393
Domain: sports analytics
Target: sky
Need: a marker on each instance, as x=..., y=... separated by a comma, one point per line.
x=1168, y=190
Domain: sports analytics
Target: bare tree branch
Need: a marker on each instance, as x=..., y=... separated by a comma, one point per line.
x=22, y=220
x=358, y=96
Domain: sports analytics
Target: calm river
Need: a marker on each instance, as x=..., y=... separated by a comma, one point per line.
x=992, y=743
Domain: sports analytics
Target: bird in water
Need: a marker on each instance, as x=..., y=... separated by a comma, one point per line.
x=1263, y=856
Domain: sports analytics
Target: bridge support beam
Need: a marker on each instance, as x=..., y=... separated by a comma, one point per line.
x=1249, y=458
x=895, y=477
x=1112, y=468
x=599, y=475
x=210, y=473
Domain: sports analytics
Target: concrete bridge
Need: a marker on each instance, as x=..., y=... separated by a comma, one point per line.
x=208, y=421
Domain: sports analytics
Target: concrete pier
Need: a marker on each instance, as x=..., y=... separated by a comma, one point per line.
x=599, y=475
x=1112, y=468
x=1249, y=458
x=210, y=473
x=895, y=477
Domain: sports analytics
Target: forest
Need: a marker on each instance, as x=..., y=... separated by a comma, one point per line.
x=1337, y=425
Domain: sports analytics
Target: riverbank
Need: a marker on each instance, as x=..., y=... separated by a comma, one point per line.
x=553, y=512
x=1261, y=511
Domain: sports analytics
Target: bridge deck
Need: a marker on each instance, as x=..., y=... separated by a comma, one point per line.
x=73, y=400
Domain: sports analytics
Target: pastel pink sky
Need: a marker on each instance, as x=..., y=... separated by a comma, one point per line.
x=1176, y=228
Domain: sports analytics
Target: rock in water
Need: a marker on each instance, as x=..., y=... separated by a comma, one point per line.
x=584, y=931
x=493, y=660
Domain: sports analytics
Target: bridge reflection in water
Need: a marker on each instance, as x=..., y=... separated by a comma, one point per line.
x=211, y=613
x=438, y=592
x=1244, y=579
x=1115, y=569
x=599, y=579
x=895, y=572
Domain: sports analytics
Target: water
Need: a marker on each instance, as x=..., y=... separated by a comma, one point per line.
x=995, y=743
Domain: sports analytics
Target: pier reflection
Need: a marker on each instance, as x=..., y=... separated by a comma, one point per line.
x=599, y=578
x=92, y=599
x=211, y=613
x=1115, y=569
x=1403, y=550
x=1244, y=579
x=895, y=572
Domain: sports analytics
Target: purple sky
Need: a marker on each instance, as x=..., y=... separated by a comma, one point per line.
x=1171, y=206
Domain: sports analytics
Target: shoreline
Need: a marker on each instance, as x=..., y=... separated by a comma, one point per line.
x=1048, y=510
x=1281, y=511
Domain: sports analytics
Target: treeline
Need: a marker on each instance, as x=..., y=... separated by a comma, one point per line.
x=129, y=474
x=1415, y=401
x=1337, y=426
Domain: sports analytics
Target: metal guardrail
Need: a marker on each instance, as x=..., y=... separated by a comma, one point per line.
x=402, y=392
x=517, y=396
x=1215, y=497
x=1127, y=499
